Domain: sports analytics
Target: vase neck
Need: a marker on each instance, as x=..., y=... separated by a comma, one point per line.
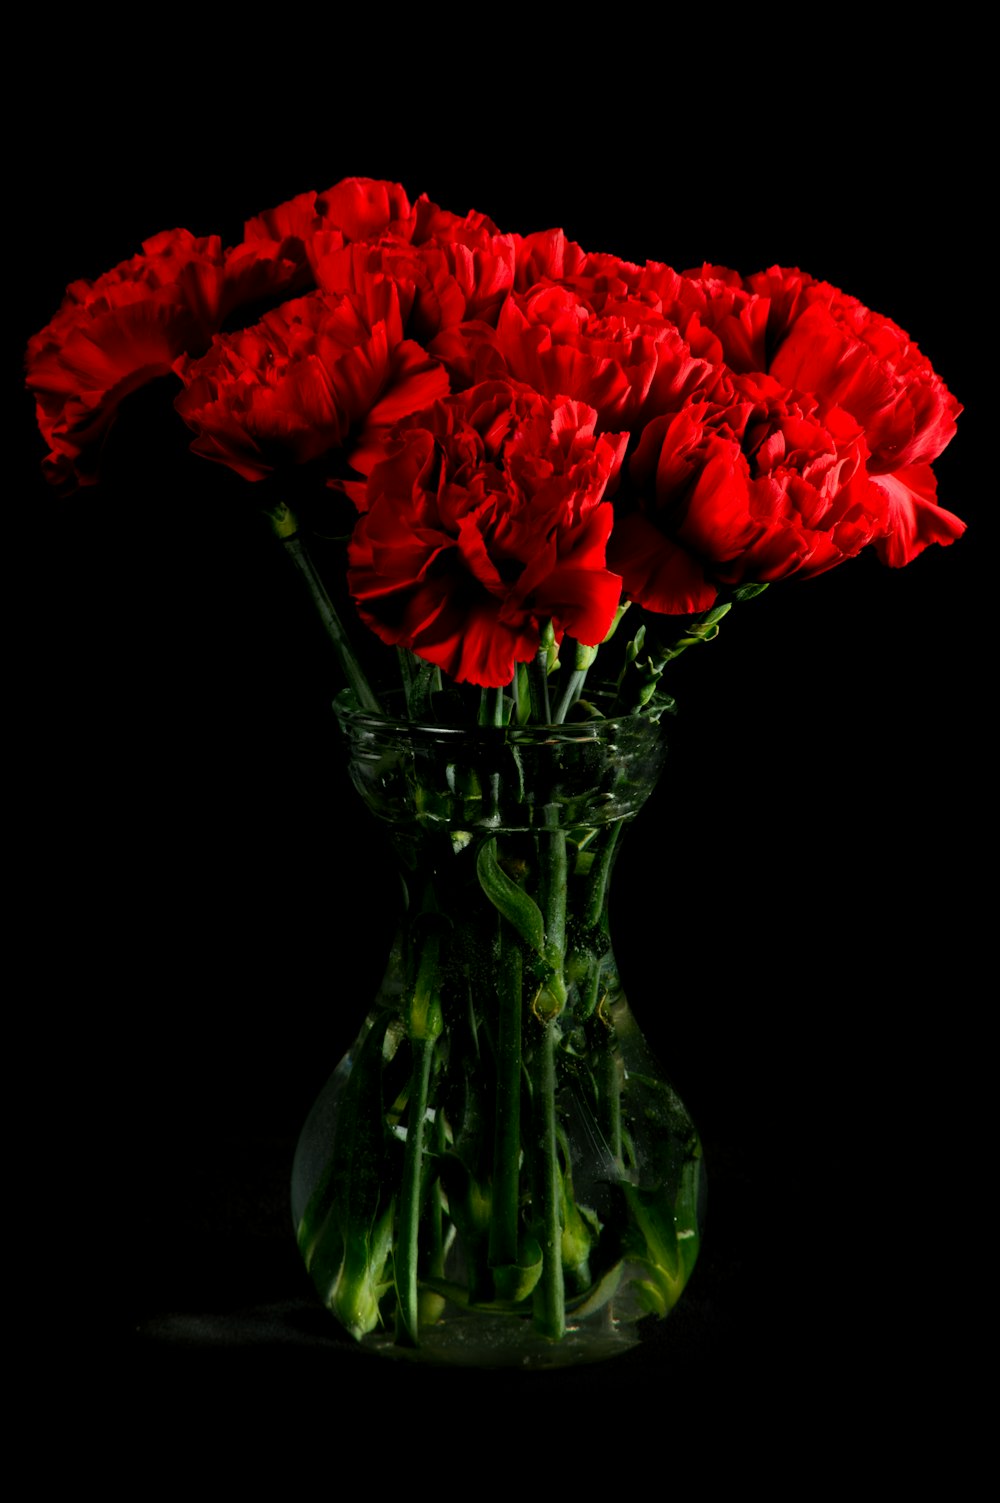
x=479, y=782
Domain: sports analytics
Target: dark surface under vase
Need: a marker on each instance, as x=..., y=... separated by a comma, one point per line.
x=497, y=1172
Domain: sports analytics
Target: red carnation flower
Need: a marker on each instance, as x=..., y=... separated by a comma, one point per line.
x=484, y=519
x=868, y=365
x=813, y=338
x=720, y=319
x=357, y=208
x=462, y=272
x=128, y=327
x=312, y=373
x=549, y=257
x=627, y=362
x=751, y=486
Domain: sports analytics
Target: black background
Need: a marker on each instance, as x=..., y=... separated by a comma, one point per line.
x=797, y=915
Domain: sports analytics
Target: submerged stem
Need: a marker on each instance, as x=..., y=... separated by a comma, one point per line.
x=599, y=874
x=407, y=1241
x=503, y=1247
x=613, y=1104
x=550, y=1306
x=554, y=879
x=550, y=1302
x=425, y=1025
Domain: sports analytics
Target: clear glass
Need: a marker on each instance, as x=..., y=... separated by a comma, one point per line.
x=498, y=1172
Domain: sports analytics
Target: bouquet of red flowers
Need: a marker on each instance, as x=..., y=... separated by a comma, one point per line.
x=532, y=435
x=557, y=465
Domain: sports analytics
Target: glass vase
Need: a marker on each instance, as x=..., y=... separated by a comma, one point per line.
x=498, y=1172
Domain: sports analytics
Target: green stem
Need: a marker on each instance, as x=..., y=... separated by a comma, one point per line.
x=591, y=992
x=550, y=1302
x=503, y=1249
x=600, y=871
x=550, y=1310
x=425, y=1025
x=570, y=695
x=437, y=1205
x=491, y=707
x=521, y=692
x=538, y=681
x=407, y=1240
x=555, y=878
x=296, y=550
x=613, y=1098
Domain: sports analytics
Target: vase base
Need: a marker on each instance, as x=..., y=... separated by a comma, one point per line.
x=498, y=1341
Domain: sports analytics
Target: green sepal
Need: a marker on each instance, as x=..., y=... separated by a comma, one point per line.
x=550, y=647
x=710, y=619
x=282, y=519
x=634, y=648
x=619, y=613
x=748, y=591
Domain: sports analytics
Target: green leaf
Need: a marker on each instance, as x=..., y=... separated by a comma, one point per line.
x=356, y=1292
x=580, y=1230
x=517, y=907
x=418, y=683
x=459, y=1295
x=515, y=1281
x=661, y=704
x=663, y=1261
x=349, y=1185
x=343, y=1238
x=597, y=1296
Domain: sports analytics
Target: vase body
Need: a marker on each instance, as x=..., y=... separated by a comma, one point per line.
x=498, y=1172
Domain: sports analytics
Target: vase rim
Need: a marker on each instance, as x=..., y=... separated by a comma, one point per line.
x=570, y=730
